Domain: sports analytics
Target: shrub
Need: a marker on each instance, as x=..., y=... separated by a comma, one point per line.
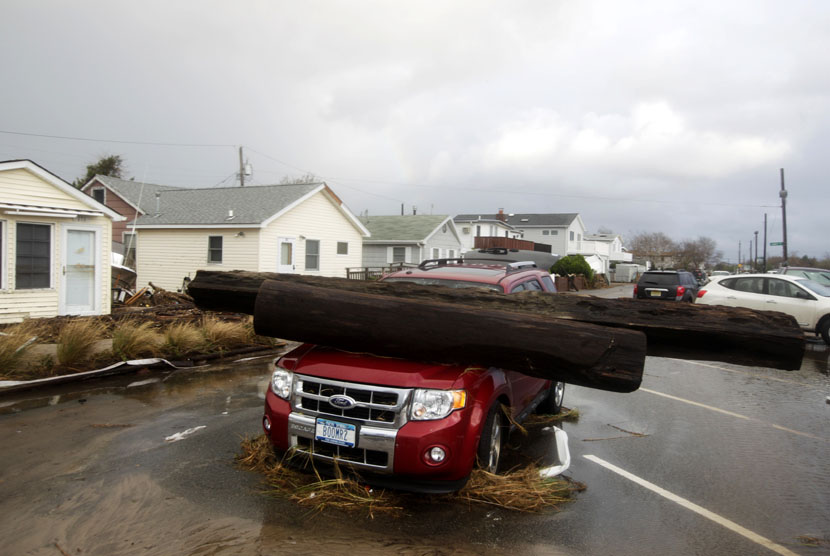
x=222, y=335
x=181, y=339
x=131, y=340
x=76, y=341
x=573, y=264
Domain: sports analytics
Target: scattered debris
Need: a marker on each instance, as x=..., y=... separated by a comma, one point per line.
x=631, y=434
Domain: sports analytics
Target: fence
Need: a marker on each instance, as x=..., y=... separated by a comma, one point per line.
x=374, y=272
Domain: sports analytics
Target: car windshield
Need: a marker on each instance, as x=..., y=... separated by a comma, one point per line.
x=822, y=277
x=815, y=287
x=446, y=283
x=659, y=279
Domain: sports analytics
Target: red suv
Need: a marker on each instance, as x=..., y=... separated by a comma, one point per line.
x=408, y=424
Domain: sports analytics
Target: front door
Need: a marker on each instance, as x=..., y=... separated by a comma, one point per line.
x=80, y=272
x=285, y=264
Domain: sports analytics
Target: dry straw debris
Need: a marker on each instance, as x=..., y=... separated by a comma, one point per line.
x=521, y=490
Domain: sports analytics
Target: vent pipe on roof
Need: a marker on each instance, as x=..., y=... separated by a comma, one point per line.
x=158, y=202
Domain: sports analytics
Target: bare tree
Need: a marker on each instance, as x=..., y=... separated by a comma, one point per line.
x=306, y=178
x=652, y=246
x=696, y=253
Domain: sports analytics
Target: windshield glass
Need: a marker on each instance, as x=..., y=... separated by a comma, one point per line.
x=822, y=277
x=656, y=279
x=815, y=287
x=447, y=283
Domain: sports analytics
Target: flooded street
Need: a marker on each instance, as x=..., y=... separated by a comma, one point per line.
x=143, y=464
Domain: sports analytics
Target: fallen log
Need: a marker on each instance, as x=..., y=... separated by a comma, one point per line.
x=584, y=354
x=676, y=330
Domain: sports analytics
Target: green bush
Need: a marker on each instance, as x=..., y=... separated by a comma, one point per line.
x=573, y=264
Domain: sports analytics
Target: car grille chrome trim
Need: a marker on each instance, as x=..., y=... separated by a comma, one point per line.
x=381, y=406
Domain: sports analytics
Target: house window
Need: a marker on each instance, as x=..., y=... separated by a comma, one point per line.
x=215, y=249
x=465, y=230
x=572, y=236
x=342, y=248
x=545, y=232
x=34, y=256
x=399, y=254
x=554, y=232
x=451, y=254
x=312, y=254
x=436, y=253
x=478, y=230
x=99, y=194
x=129, y=240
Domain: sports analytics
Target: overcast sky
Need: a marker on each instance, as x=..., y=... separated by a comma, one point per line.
x=641, y=116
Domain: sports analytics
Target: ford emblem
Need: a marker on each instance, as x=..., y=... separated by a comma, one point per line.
x=342, y=402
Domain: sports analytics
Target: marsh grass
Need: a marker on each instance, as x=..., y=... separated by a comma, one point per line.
x=223, y=335
x=132, y=340
x=14, y=343
x=76, y=341
x=182, y=338
x=566, y=416
x=521, y=490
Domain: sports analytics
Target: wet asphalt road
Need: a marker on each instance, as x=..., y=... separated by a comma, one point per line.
x=87, y=469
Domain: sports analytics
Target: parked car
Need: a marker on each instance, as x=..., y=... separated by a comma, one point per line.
x=720, y=273
x=409, y=424
x=820, y=275
x=807, y=301
x=674, y=285
x=700, y=276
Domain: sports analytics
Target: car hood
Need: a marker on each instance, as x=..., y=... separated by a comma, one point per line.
x=335, y=364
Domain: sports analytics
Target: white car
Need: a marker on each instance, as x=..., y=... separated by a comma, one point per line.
x=807, y=301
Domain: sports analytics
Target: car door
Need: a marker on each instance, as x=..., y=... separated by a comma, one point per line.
x=746, y=292
x=525, y=387
x=789, y=298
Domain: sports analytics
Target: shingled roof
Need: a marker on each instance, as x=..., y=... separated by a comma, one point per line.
x=528, y=220
x=403, y=228
x=140, y=195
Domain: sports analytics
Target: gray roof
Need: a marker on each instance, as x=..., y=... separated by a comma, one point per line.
x=408, y=227
x=529, y=220
x=138, y=194
x=251, y=205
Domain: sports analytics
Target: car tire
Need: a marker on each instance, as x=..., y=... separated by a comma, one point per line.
x=552, y=404
x=824, y=330
x=492, y=440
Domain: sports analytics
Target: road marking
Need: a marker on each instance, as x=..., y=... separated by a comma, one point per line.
x=720, y=520
x=736, y=415
x=753, y=375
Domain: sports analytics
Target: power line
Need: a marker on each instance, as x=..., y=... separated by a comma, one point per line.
x=120, y=141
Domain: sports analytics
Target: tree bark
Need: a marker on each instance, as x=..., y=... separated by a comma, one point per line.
x=588, y=355
x=677, y=330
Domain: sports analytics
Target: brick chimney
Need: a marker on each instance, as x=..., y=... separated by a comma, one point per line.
x=500, y=215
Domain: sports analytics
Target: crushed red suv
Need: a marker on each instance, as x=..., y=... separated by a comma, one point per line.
x=412, y=425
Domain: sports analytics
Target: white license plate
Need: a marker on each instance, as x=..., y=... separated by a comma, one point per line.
x=656, y=294
x=333, y=432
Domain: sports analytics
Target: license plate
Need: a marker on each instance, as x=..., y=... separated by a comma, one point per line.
x=656, y=293
x=333, y=432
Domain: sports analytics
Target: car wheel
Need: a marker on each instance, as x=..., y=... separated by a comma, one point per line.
x=824, y=330
x=552, y=405
x=492, y=440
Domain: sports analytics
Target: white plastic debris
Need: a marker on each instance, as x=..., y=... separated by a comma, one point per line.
x=563, y=456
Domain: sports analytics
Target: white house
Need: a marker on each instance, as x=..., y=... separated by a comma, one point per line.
x=471, y=226
x=409, y=239
x=302, y=228
x=54, y=246
x=563, y=232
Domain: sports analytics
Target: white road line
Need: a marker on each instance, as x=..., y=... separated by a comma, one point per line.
x=753, y=375
x=720, y=520
x=736, y=415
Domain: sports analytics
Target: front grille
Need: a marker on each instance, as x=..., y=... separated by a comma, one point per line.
x=378, y=405
x=323, y=450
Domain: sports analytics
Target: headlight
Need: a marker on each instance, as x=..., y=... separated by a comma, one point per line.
x=435, y=404
x=281, y=382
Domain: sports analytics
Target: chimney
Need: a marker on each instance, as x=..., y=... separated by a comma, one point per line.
x=500, y=215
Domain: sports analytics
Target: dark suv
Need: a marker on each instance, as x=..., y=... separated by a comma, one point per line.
x=674, y=285
x=410, y=424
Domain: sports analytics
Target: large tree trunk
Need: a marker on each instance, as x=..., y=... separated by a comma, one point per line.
x=584, y=354
x=679, y=330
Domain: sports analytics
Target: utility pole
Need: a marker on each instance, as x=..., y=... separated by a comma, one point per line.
x=739, y=256
x=749, y=257
x=765, y=242
x=241, y=169
x=783, y=195
x=755, y=259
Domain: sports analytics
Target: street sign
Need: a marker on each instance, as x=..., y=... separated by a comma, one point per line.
x=776, y=243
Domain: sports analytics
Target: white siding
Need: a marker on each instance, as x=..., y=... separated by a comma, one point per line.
x=445, y=241
x=316, y=218
x=20, y=186
x=166, y=257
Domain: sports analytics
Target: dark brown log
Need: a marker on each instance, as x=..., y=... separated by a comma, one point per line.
x=678, y=330
x=588, y=355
